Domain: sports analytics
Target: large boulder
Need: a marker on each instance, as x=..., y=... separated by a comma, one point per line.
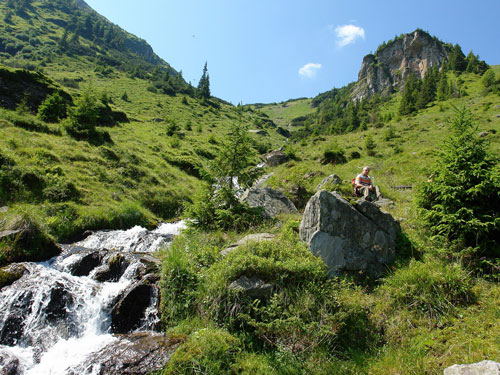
x=138, y=354
x=129, y=312
x=274, y=202
x=332, y=179
x=348, y=238
x=275, y=158
x=480, y=368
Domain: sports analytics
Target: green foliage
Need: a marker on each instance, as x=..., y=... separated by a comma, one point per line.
x=410, y=94
x=52, y=109
x=217, y=204
x=431, y=287
x=459, y=201
x=370, y=146
x=204, y=84
x=489, y=81
x=333, y=154
x=206, y=351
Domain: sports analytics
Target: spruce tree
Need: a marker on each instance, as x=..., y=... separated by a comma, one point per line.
x=409, y=96
x=204, y=84
x=457, y=59
x=428, y=91
x=443, y=88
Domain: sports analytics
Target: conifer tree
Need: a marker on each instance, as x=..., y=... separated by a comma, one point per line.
x=457, y=59
x=443, y=88
x=428, y=91
x=408, y=99
x=204, y=84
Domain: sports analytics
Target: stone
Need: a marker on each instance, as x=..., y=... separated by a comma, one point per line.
x=129, y=311
x=9, y=365
x=12, y=273
x=274, y=202
x=283, y=132
x=12, y=330
x=4, y=209
x=258, y=132
x=9, y=234
x=358, y=238
x=332, y=179
x=252, y=287
x=256, y=237
x=480, y=368
x=113, y=269
x=134, y=354
x=262, y=180
x=275, y=158
x=89, y=260
x=483, y=134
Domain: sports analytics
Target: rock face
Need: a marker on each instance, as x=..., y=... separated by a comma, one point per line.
x=137, y=354
x=480, y=368
x=388, y=69
x=349, y=238
x=273, y=201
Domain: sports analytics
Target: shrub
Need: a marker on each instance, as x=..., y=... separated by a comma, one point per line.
x=59, y=189
x=432, y=288
x=355, y=155
x=52, y=109
x=370, y=146
x=333, y=154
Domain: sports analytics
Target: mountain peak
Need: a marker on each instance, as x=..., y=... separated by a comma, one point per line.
x=387, y=69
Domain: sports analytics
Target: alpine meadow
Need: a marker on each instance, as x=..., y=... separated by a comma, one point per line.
x=149, y=227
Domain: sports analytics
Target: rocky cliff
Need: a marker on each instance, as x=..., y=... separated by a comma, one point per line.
x=387, y=69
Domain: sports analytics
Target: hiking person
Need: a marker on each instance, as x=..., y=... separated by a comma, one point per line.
x=363, y=186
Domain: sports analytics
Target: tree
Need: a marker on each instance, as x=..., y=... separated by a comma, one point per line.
x=52, y=109
x=443, y=88
x=427, y=93
x=461, y=199
x=457, y=59
x=489, y=79
x=409, y=96
x=204, y=84
x=217, y=205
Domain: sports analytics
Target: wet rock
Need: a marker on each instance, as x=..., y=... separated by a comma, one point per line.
x=128, y=313
x=256, y=237
x=252, y=287
x=275, y=158
x=12, y=330
x=273, y=202
x=480, y=368
x=9, y=365
x=332, y=179
x=86, y=263
x=138, y=354
x=349, y=239
x=58, y=304
x=11, y=273
x=113, y=269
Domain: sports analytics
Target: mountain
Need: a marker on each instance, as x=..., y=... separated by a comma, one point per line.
x=386, y=71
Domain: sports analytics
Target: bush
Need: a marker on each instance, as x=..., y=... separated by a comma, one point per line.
x=333, y=154
x=52, y=109
x=370, y=146
x=432, y=288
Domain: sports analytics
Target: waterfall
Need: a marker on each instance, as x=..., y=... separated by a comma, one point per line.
x=62, y=311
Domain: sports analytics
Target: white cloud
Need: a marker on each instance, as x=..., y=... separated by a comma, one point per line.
x=309, y=70
x=348, y=34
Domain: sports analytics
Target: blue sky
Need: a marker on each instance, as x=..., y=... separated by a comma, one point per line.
x=273, y=50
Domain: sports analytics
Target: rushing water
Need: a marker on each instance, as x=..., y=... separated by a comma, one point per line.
x=51, y=320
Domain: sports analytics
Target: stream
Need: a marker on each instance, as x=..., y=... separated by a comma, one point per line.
x=75, y=312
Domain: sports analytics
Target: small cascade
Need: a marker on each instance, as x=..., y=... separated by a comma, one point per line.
x=62, y=312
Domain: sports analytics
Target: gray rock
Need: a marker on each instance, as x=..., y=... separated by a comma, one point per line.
x=262, y=180
x=9, y=365
x=10, y=234
x=332, y=179
x=497, y=106
x=349, y=239
x=483, y=134
x=256, y=237
x=4, y=209
x=480, y=368
x=129, y=311
x=498, y=116
x=252, y=287
x=273, y=201
x=88, y=260
x=138, y=354
x=258, y=132
x=275, y=158
x=113, y=269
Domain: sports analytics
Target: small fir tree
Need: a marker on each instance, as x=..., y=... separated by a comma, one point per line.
x=52, y=109
x=461, y=199
x=204, y=84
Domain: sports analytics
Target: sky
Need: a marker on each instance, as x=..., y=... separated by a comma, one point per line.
x=264, y=51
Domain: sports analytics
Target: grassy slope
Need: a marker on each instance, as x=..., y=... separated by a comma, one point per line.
x=283, y=113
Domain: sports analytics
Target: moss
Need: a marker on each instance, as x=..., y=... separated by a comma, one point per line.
x=8, y=275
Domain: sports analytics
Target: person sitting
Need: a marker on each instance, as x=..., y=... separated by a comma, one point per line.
x=363, y=186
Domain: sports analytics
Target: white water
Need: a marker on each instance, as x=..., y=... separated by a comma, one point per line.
x=50, y=346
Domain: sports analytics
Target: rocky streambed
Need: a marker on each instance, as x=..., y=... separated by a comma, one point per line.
x=91, y=310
